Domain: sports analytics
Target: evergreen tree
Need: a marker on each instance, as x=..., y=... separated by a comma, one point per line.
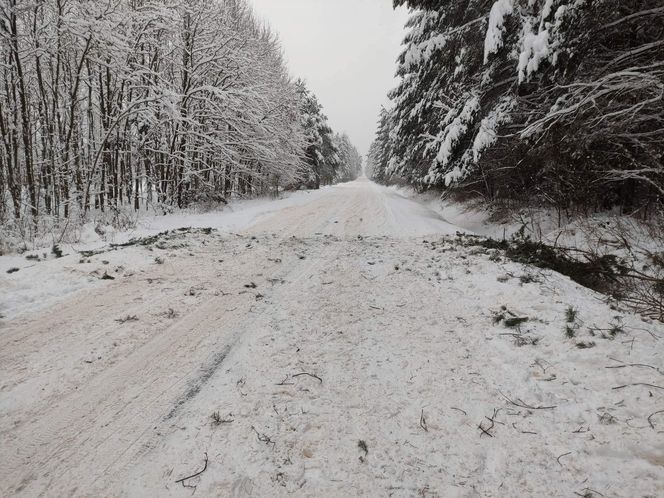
x=381, y=158
x=350, y=160
x=553, y=101
x=322, y=158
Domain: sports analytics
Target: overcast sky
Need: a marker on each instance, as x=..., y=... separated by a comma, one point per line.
x=346, y=51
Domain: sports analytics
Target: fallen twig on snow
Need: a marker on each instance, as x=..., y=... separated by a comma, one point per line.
x=638, y=384
x=538, y=362
x=458, y=409
x=522, y=432
x=651, y=416
x=652, y=334
x=485, y=431
x=564, y=454
x=423, y=422
x=491, y=419
x=586, y=491
x=284, y=382
x=643, y=365
x=263, y=438
x=521, y=404
x=193, y=475
x=217, y=420
x=310, y=375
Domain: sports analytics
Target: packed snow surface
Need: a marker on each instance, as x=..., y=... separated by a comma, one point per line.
x=342, y=343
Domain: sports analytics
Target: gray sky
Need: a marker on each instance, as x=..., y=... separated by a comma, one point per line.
x=346, y=51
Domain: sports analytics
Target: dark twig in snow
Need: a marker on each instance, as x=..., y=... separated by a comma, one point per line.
x=586, y=491
x=652, y=334
x=491, y=419
x=423, y=422
x=458, y=409
x=652, y=424
x=564, y=454
x=631, y=343
x=522, y=432
x=638, y=384
x=539, y=364
x=284, y=382
x=643, y=365
x=194, y=475
x=310, y=375
x=485, y=431
x=263, y=438
x=521, y=404
x=217, y=420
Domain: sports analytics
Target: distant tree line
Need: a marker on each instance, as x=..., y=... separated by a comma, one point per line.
x=132, y=102
x=554, y=102
x=330, y=157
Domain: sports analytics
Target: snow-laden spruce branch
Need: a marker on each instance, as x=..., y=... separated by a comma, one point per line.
x=545, y=102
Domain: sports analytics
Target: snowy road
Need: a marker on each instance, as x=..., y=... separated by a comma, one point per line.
x=345, y=346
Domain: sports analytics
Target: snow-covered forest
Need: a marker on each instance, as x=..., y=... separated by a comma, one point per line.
x=553, y=103
x=151, y=103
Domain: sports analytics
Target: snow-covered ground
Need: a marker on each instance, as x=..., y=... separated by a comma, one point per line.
x=37, y=284
x=337, y=343
x=467, y=216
